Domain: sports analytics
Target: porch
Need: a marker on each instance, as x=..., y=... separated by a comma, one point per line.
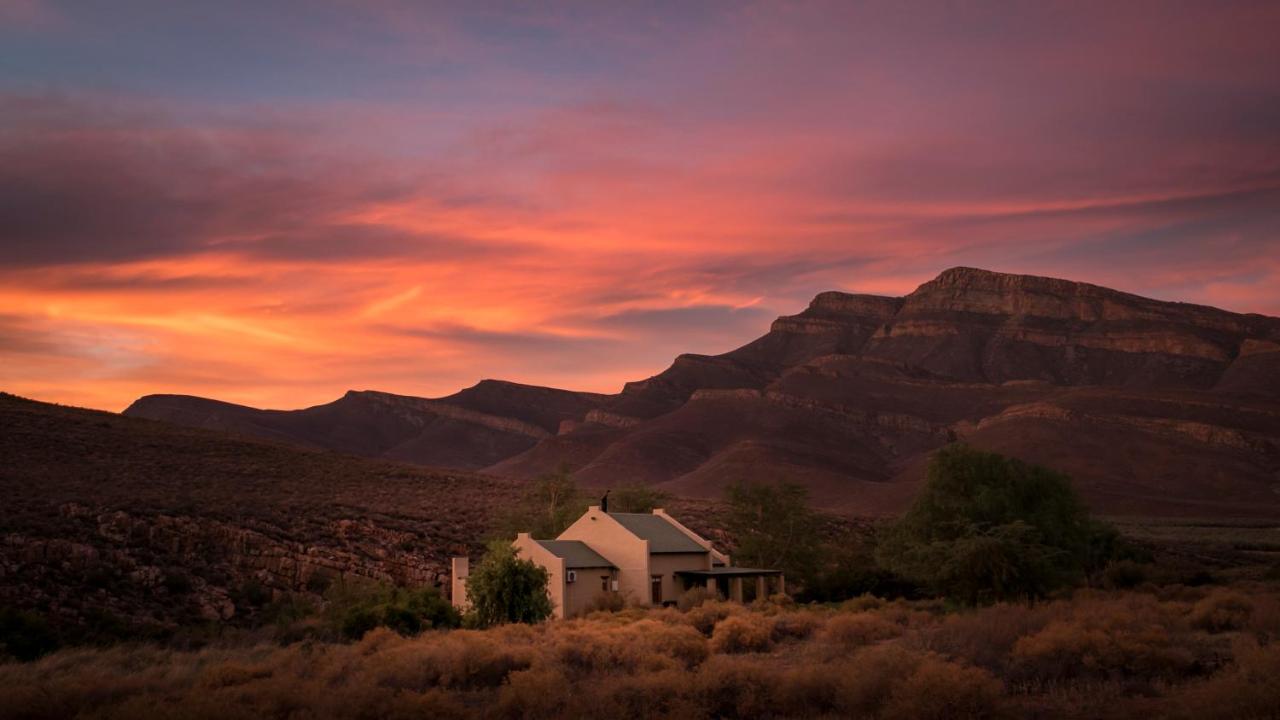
x=728, y=581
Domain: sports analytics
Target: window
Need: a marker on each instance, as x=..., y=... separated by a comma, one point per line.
x=656, y=583
x=604, y=583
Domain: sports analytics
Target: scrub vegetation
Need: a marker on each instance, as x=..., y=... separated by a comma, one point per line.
x=1159, y=651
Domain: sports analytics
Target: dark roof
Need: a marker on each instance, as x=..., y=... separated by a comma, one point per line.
x=576, y=553
x=727, y=572
x=663, y=537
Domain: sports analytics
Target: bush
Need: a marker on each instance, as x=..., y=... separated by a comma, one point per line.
x=1221, y=610
x=986, y=636
x=939, y=690
x=25, y=635
x=1245, y=689
x=354, y=610
x=851, y=631
x=735, y=687
x=506, y=589
x=868, y=680
x=647, y=645
x=694, y=598
x=796, y=625
x=535, y=693
x=750, y=632
x=705, y=616
x=610, y=601
x=1099, y=648
x=649, y=695
x=1124, y=574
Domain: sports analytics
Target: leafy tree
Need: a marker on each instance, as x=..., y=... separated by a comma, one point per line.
x=354, y=610
x=636, y=499
x=25, y=635
x=847, y=568
x=550, y=503
x=506, y=589
x=987, y=528
x=773, y=526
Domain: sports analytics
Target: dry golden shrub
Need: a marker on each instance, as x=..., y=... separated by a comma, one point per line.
x=680, y=642
x=648, y=695
x=460, y=659
x=231, y=674
x=1249, y=688
x=940, y=690
x=1116, y=643
x=705, y=616
x=735, y=687
x=607, y=602
x=647, y=645
x=695, y=598
x=983, y=637
x=1221, y=610
x=867, y=680
x=1264, y=621
x=535, y=694
x=850, y=631
x=743, y=633
x=796, y=625
x=809, y=690
x=773, y=604
x=862, y=603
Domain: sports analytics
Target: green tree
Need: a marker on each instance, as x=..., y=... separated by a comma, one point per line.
x=636, y=499
x=987, y=528
x=506, y=589
x=550, y=503
x=355, y=609
x=773, y=526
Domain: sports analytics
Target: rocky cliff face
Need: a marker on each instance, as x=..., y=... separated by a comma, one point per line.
x=850, y=394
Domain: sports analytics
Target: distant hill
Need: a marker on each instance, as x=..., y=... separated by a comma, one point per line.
x=1155, y=408
x=476, y=427
x=118, y=522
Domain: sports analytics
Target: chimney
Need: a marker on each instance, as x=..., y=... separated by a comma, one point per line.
x=604, y=502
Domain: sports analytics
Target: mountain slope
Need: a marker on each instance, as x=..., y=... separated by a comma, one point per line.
x=1155, y=407
x=473, y=428
x=155, y=526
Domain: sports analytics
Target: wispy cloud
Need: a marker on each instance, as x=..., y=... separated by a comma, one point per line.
x=272, y=206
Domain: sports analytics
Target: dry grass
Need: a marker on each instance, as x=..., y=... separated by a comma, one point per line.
x=1098, y=654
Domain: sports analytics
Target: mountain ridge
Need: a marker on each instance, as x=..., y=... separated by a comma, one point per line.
x=846, y=395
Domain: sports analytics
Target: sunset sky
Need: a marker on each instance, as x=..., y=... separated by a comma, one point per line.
x=271, y=203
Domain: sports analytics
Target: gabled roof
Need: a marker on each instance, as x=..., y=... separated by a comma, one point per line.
x=663, y=537
x=576, y=553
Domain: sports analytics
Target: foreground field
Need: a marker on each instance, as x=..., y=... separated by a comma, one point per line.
x=1176, y=651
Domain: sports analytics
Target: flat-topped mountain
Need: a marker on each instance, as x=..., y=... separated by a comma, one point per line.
x=1153, y=407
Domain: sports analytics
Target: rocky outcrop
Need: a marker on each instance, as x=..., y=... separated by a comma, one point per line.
x=857, y=388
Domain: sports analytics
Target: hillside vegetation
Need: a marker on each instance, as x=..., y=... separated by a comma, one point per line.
x=118, y=527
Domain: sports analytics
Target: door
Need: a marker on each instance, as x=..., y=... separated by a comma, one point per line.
x=656, y=583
